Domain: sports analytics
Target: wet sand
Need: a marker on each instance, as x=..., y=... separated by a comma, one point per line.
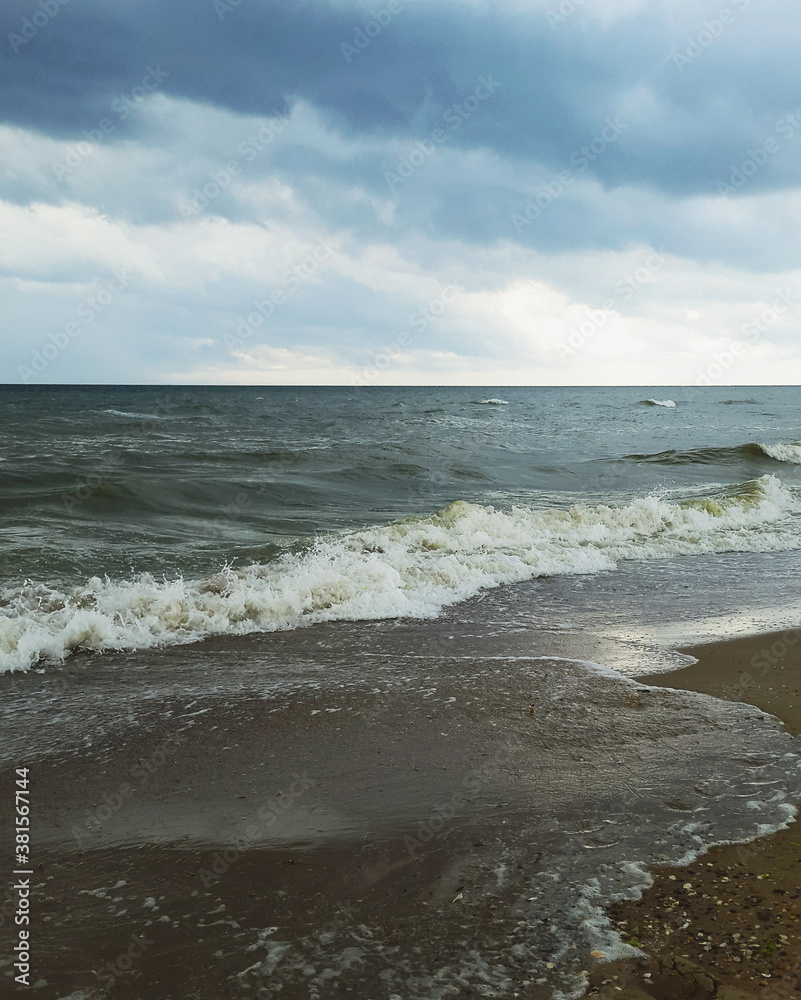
x=728, y=926
x=235, y=843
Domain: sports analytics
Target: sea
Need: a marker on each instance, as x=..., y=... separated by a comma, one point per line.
x=568, y=540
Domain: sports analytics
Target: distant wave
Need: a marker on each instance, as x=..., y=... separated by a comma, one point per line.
x=790, y=453
x=408, y=568
x=133, y=416
x=491, y=402
x=657, y=402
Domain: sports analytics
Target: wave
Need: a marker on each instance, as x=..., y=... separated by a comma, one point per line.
x=491, y=402
x=409, y=568
x=133, y=416
x=783, y=452
x=790, y=453
x=657, y=402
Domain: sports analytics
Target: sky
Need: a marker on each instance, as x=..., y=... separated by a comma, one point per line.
x=464, y=192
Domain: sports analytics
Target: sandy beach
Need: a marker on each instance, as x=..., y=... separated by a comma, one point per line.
x=726, y=926
x=243, y=843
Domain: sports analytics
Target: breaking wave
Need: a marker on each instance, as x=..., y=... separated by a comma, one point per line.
x=783, y=452
x=790, y=453
x=408, y=568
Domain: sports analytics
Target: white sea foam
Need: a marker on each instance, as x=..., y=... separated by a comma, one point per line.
x=660, y=402
x=492, y=402
x=409, y=568
x=783, y=452
x=133, y=416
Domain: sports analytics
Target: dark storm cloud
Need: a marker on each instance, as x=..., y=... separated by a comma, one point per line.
x=692, y=110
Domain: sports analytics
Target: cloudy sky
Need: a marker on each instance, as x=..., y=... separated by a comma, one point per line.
x=478, y=192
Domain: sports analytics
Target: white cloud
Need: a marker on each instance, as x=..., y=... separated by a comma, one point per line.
x=349, y=296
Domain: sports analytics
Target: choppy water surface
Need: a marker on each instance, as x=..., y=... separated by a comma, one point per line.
x=353, y=580
x=133, y=517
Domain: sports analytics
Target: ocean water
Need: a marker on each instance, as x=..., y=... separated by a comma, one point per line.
x=132, y=517
x=447, y=555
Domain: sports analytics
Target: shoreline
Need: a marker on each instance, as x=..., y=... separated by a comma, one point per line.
x=727, y=926
x=236, y=838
